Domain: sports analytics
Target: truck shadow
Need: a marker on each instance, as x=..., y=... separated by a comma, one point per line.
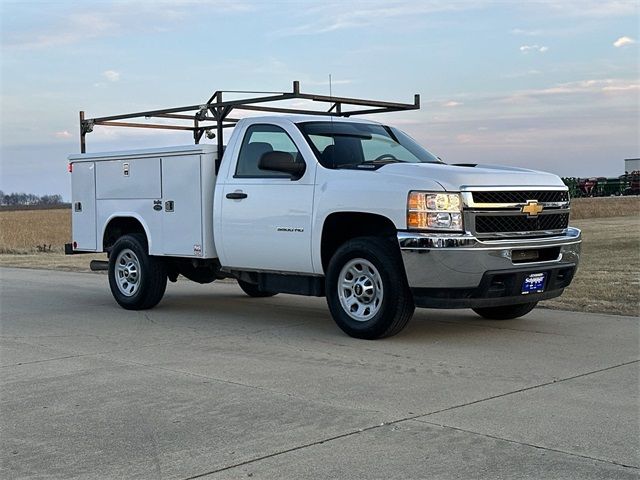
x=221, y=310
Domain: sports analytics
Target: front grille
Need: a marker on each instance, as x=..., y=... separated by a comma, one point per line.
x=520, y=223
x=541, y=196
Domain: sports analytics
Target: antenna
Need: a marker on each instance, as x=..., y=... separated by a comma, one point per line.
x=333, y=134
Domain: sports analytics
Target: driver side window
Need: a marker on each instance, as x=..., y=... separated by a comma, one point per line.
x=261, y=139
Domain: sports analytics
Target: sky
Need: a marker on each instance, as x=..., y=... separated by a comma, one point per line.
x=550, y=85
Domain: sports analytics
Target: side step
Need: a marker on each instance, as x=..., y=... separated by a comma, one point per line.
x=99, y=265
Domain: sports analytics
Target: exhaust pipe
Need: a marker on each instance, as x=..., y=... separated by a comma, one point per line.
x=99, y=265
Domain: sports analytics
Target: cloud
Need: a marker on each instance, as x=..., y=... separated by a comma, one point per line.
x=62, y=26
x=533, y=48
x=332, y=15
x=528, y=33
x=591, y=8
x=111, y=75
x=590, y=86
x=566, y=99
x=591, y=91
x=64, y=134
x=452, y=103
x=77, y=27
x=527, y=73
x=623, y=42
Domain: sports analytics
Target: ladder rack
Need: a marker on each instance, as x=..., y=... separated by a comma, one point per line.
x=214, y=114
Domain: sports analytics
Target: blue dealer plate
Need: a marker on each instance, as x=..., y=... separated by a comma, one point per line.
x=534, y=283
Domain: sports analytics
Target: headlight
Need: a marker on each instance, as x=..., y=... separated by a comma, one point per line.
x=434, y=211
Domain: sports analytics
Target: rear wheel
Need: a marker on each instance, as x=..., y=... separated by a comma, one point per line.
x=252, y=290
x=367, y=290
x=137, y=280
x=507, y=312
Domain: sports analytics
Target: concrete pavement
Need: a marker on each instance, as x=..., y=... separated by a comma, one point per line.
x=213, y=384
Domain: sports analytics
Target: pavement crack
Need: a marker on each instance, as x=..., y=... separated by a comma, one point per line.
x=46, y=360
x=540, y=447
x=14, y=337
x=296, y=448
x=418, y=419
x=526, y=389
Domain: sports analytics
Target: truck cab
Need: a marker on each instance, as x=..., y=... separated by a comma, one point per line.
x=353, y=210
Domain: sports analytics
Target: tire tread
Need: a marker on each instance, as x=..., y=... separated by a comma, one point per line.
x=507, y=312
x=386, y=253
x=253, y=291
x=155, y=281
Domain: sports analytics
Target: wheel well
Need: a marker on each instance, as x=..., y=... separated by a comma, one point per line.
x=120, y=226
x=343, y=226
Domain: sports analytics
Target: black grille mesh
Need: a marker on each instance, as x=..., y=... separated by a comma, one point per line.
x=521, y=197
x=521, y=223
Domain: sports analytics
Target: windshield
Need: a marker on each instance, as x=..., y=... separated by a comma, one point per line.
x=362, y=145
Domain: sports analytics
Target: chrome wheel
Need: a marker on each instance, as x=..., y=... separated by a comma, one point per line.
x=360, y=289
x=127, y=272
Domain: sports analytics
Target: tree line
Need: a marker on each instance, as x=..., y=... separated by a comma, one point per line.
x=29, y=199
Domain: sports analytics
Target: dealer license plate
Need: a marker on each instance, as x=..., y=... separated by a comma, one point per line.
x=534, y=283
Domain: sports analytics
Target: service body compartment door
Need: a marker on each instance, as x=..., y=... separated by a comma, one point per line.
x=130, y=178
x=182, y=205
x=83, y=206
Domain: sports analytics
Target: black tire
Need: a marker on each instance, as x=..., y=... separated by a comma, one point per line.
x=252, y=290
x=507, y=312
x=200, y=275
x=151, y=277
x=393, y=309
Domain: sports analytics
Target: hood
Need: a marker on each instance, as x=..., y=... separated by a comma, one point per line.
x=453, y=177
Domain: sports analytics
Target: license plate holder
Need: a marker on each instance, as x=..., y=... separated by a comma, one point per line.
x=534, y=283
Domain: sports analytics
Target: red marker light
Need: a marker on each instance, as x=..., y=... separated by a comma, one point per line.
x=70, y=167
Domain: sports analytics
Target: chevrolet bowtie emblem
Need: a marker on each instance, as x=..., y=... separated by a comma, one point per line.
x=532, y=208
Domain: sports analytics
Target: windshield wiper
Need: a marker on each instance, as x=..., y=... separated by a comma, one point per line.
x=380, y=162
x=367, y=164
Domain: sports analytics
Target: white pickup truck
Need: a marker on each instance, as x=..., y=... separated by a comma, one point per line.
x=349, y=209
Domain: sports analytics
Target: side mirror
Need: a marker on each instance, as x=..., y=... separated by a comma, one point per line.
x=282, y=162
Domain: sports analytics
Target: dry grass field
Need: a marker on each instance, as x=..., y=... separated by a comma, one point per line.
x=608, y=280
x=36, y=238
x=609, y=206
x=29, y=231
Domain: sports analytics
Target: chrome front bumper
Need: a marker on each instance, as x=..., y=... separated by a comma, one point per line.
x=444, y=261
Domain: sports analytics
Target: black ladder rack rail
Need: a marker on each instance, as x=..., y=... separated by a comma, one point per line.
x=214, y=114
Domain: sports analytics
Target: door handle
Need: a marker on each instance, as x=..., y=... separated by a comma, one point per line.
x=236, y=195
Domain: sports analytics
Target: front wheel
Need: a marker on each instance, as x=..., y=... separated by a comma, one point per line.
x=507, y=312
x=137, y=280
x=367, y=290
